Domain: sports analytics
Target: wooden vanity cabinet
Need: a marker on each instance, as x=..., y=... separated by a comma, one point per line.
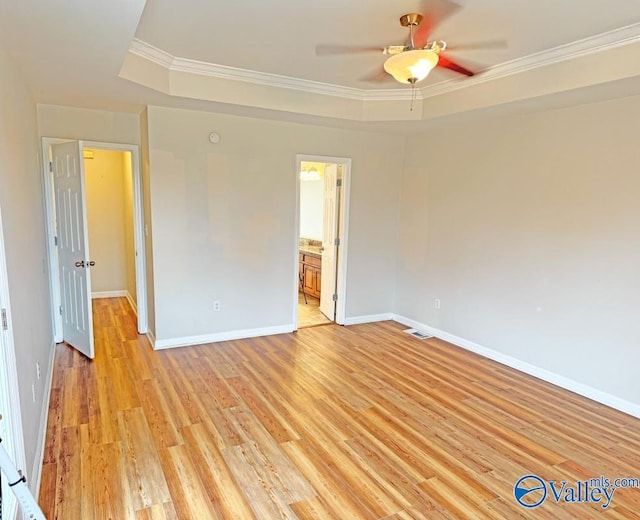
x=311, y=267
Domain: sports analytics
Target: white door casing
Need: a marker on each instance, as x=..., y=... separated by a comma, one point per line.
x=73, y=246
x=329, y=235
x=139, y=230
x=11, y=420
x=343, y=233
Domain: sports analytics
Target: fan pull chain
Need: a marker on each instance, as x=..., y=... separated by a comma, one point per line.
x=413, y=95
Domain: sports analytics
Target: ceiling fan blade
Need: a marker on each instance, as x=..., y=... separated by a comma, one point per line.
x=486, y=44
x=446, y=63
x=434, y=12
x=336, y=50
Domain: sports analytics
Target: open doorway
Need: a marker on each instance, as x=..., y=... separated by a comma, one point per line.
x=321, y=240
x=110, y=224
x=109, y=200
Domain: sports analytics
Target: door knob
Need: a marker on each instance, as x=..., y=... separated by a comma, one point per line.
x=80, y=263
x=92, y=263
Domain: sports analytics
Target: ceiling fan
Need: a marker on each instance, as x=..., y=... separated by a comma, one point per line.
x=412, y=62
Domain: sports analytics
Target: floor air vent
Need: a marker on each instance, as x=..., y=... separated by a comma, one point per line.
x=418, y=334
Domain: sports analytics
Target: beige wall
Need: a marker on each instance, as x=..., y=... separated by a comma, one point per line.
x=23, y=220
x=105, y=189
x=224, y=219
x=88, y=125
x=526, y=229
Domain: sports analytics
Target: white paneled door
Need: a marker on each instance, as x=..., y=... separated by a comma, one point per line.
x=10, y=420
x=73, y=245
x=329, y=243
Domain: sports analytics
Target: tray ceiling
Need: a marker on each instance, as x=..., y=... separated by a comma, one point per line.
x=244, y=56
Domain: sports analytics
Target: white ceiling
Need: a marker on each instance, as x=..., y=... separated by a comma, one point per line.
x=124, y=54
x=280, y=37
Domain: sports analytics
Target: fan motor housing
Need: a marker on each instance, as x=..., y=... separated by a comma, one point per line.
x=410, y=19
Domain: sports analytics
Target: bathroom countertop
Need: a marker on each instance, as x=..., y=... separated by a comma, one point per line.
x=311, y=250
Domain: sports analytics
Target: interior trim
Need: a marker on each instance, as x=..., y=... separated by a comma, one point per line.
x=202, y=339
x=576, y=387
x=618, y=37
x=38, y=462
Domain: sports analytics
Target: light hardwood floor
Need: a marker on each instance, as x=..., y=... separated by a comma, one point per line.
x=361, y=422
x=309, y=314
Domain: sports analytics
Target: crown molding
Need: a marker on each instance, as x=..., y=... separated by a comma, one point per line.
x=151, y=53
x=201, y=68
x=263, y=78
x=404, y=94
x=601, y=42
x=618, y=37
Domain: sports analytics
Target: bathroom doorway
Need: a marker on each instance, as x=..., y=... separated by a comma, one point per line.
x=321, y=240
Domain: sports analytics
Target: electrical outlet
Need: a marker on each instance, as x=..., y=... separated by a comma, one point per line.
x=216, y=305
x=38, y=369
x=437, y=303
x=33, y=391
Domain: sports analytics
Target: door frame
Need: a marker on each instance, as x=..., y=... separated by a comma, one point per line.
x=343, y=227
x=138, y=229
x=9, y=397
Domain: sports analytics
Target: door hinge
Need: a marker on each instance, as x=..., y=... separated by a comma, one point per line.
x=339, y=183
x=60, y=310
x=5, y=323
x=51, y=166
x=55, y=241
x=336, y=241
x=334, y=297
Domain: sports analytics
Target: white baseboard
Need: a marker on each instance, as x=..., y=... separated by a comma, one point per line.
x=109, y=294
x=546, y=375
x=371, y=318
x=131, y=301
x=222, y=336
x=152, y=339
x=36, y=472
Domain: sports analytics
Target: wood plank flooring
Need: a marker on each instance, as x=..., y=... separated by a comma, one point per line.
x=309, y=314
x=361, y=422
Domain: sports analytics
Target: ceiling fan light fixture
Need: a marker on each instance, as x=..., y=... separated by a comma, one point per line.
x=411, y=66
x=310, y=174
